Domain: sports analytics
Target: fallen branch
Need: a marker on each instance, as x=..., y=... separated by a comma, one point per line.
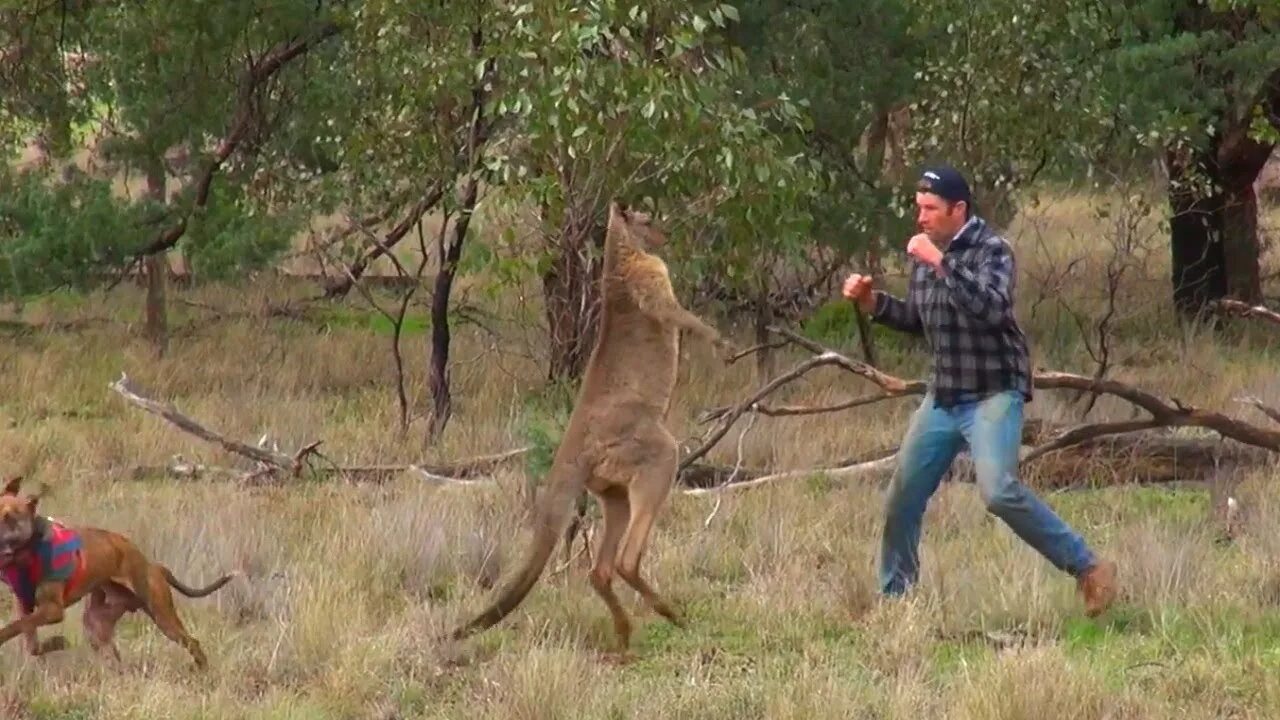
x=1267, y=410
x=891, y=385
x=271, y=461
x=286, y=463
x=870, y=468
x=1163, y=414
x=795, y=410
x=470, y=470
x=1138, y=457
x=1242, y=309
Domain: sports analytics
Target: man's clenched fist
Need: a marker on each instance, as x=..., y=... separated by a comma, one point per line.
x=923, y=249
x=858, y=289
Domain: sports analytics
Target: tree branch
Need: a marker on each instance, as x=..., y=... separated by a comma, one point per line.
x=1267, y=410
x=794, y=410
x=250, y=80
x=343, y=284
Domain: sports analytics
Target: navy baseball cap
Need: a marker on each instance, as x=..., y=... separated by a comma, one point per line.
x=946, y=182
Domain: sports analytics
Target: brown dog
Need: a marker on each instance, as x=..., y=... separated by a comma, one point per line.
x=51, y=567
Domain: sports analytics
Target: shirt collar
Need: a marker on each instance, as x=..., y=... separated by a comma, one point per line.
x=968, y=233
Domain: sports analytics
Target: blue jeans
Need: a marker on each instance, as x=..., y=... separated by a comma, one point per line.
x=992, y=428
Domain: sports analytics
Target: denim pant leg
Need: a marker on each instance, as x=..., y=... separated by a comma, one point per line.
x=994, y=432
x=930, y=445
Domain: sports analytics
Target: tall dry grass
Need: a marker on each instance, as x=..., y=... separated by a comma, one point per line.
x=347, y=586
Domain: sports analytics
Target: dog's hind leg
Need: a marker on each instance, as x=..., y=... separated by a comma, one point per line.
x=103, y=609
x=159, y=606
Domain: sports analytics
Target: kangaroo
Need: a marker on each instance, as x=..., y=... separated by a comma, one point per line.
x=617, y=444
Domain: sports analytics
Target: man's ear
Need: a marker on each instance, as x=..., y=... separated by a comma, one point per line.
x=32, y=501
x=12, y=486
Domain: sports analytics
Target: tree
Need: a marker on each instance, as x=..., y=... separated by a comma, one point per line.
x=1081, y=85
x=208, y=77
x=611, y=99
x=1202, y=80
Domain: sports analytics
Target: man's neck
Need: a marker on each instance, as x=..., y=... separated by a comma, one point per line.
x=964, y=227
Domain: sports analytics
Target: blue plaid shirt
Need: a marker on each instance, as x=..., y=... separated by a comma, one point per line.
x=966, y=317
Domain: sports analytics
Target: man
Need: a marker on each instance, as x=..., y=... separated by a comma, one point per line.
x=961, y=299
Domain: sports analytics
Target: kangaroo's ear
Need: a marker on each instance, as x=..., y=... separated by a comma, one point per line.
x=12, y=485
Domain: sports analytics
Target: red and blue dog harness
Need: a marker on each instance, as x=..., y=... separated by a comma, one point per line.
x=56, y=557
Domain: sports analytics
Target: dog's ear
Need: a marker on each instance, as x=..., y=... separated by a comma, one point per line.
x=12, y=485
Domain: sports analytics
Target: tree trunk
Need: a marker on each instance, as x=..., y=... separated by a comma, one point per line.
x=449, y=253
x=1240, y=247
x=1214, y=228
x=156, y=324
x=765, y=365
x=571, y=293
x=1198, y=268
x=477, y=135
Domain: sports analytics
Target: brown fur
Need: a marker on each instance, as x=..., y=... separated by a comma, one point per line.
x=117, y=578
x=617, y=444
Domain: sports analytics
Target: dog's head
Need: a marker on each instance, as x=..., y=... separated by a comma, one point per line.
x=18, y=521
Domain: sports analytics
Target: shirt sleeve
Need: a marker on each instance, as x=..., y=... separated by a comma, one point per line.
x=984, y=293
x=902, y=315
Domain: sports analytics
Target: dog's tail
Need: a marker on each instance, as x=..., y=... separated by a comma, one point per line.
x=555, y=508
x=201, y=592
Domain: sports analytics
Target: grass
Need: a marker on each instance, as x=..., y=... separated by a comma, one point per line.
x=347, y=585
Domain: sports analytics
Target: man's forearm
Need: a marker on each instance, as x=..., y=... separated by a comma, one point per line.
x=895, y=313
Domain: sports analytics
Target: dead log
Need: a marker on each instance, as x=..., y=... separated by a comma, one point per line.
x=272, y=462
x=1163, y=414
x=286, y=463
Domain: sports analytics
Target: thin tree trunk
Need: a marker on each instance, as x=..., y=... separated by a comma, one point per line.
x=571, y=294
x=477, y=134
x=449, y=252
x=156, y=325
x=1198, y=267
x=765, y=359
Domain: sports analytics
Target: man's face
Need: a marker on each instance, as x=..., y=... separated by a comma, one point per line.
x=938, y=218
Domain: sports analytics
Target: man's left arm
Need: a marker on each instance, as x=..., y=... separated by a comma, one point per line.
x=984, y=292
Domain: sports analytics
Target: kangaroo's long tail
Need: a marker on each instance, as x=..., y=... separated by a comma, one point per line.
x=555, y=509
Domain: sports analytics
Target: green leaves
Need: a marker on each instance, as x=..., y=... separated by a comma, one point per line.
x=57, y=235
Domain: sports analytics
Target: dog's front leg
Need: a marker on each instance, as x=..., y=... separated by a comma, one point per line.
x=48, y=611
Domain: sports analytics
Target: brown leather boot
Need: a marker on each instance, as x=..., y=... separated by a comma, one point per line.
x=1098, y=585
